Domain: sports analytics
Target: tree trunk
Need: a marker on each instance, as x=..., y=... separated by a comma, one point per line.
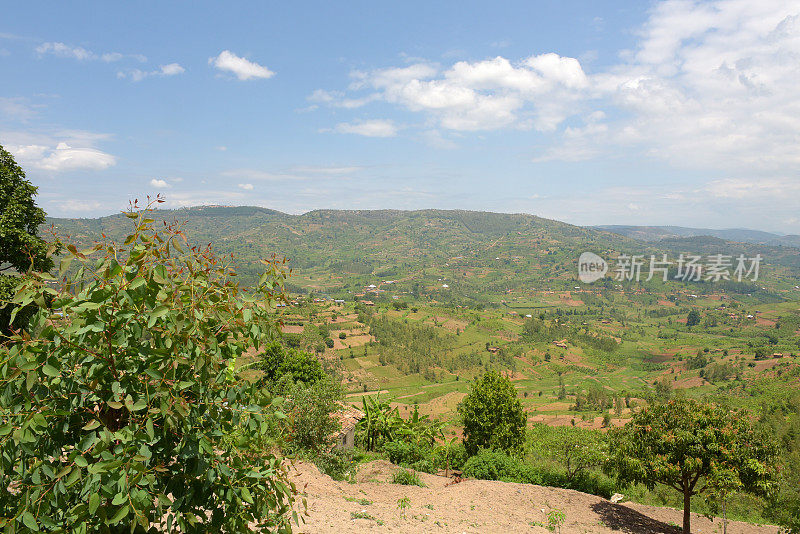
x=687, y=511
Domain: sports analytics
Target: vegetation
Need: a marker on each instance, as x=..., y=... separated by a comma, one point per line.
x=407, y=478
x=117, y=405
x=492, y=415
x=21, y=249
x=494, y=295
x=693, y=448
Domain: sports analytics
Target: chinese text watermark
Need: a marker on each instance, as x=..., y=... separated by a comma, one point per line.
x=686, y=267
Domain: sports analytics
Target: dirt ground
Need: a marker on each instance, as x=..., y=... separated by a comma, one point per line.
x=471, y=506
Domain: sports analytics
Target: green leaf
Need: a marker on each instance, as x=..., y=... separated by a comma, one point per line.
x=29, y=521
x=91, y=425
x=119, y=498
x=49, y=370
x=120, y=515
x=94, y=502
x=114, y=404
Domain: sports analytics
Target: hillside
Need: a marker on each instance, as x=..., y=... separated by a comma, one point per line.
x=371, y=504
x=741, y=235
x=480, y=256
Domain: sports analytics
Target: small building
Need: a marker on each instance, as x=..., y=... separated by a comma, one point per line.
x=348, y=417
x=367, y=303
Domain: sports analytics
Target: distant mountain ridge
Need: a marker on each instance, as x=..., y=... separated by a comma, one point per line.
x=739, y=235
x=456, y=255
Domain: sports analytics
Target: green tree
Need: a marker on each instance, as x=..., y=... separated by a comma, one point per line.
x=276, y=362
x=21, y=249
x=492, y=415
x=683, y=443
x=117, y=409
x=693, y=318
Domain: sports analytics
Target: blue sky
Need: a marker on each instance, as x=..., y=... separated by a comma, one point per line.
x=672, y=112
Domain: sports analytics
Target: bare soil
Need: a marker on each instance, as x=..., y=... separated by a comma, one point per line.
x=371, y=505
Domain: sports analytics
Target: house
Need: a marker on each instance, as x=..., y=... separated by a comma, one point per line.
x=367, y=303
x=493, y=350
x=348, y=417
x=562, y=343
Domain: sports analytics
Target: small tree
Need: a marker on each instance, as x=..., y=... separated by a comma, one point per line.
x=577, y=449
x=493, y=416
x=118, y=408
x=683, y=443
x=693, y=318
x=20, y=248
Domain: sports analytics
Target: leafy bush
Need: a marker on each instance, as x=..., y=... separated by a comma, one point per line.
x=276, y=361
x=405, y=453
x=491, y=465
x=493, y=416
x=339, y=464
x=497, y=465
x=407, y=478
x=115, y=410
x=309, y=426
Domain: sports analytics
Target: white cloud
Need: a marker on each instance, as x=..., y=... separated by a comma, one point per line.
x=368, y=128
x=710, y=86
x=172, y=69
x=159, y=183
x=138, y=75
x=82, y=54
x=62, y=50
x=246, y=187
x=66, y=158
x=63, y=151
x=241, y=67
x=538, y=91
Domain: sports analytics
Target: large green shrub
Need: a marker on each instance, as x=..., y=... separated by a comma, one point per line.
x=115, y=410
x=493, y=416
x=276, y=361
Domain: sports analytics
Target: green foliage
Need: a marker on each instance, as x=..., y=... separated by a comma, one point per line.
x=115, y=411
x=276, y=362
x=407, y=478
x=379, y=424
x=555, y=518
x=497, y=465
x=684, y=442
x=492, y=415
x=576, y=449
x=21, y=249
x=693, y=319
x=309, y=405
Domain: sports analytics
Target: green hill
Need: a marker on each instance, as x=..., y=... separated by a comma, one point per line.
x=480, y=256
